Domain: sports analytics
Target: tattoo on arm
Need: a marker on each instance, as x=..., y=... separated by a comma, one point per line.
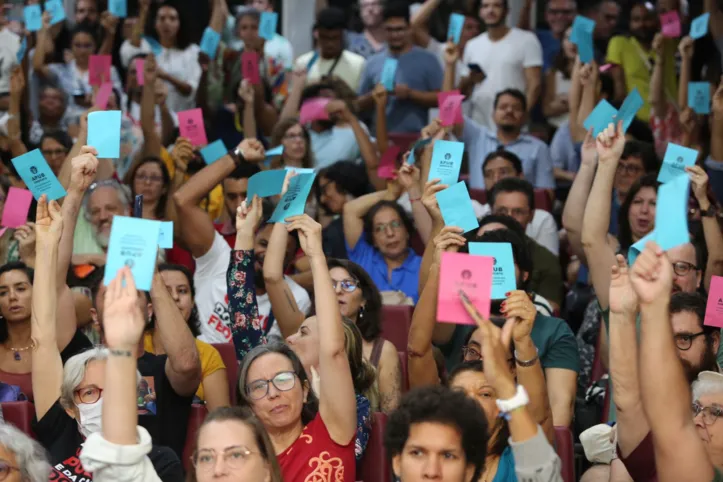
x=125, y=353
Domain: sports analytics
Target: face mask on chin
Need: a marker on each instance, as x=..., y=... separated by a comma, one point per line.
x=90, y=417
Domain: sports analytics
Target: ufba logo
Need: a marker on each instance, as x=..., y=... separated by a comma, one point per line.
x=33, y=170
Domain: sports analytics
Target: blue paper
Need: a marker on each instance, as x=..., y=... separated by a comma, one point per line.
x=133, y=243
x=446, y=161
x=635, y=250
x=104, y=133
x=581, y=24
x=456, y=22
x=699, y=97
x=165, y=235
x=33, y=169
x=312, y=61
x=267, y=25
x=214, y=151
x=21, y=50
x=389, y=71
x=301, y=170
x=419, y=143
x=156, y=47
x=293, y=201
x=601, y=116
x=671, y=213
x=699, y=26
x=118, y=8
x=33, y=16
x=56, y=10
x=629, y=109
x=210, y=41
x=270, y=154
x=581, y=35
x=676, y=159
x=503, y=267
x=456, y=207
x=266, y=183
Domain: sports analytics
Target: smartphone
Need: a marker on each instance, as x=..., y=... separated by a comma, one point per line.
x=475, y=68
x=138, y=206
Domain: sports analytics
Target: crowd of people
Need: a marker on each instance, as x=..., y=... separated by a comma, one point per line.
x=271, y=349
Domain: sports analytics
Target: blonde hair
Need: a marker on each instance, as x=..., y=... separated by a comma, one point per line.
x=363, y=374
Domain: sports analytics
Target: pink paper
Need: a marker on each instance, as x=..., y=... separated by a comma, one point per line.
x=471, y=274
x=441, y=97
x=102, y=96
x=17, y=206
x=190, y=123
x=714, y=308
x=605, y=68
x=2, y=231
x=314, y=109
x=250, y=67
x=670, y=23
x=388, y=163
x=450, y=111
x=140, y=65
x=99, y=69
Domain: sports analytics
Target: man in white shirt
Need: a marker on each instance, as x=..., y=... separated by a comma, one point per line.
x=9, y=45
x=510, y=58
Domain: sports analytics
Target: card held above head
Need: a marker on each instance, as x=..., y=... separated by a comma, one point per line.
x=266, y=183
x=467, y=273
x=267, y=25
x=118, y=8
x=250, y=67
x=629, y=109
x=699, y=97
x=670, y=24
x=450, y=111
x=456, y=207
x=33, y=16
x=454, y=32
x=388, y=163
x=676, y=159
x=104, y=132
x=35, y=172
x=699, y=26
x=503, y=266
x=99, y=69
x=214, y=151
x=133, y=243
x=314, y=109
x=446, y=161
x=209, y=42
x=191, y=126
x=600, y=117
x=293, y=202
x=415, y=146
x=56, y=11
x=17, y=206
x=671, y=213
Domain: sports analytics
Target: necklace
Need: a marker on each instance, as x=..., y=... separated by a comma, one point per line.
x=17, y=351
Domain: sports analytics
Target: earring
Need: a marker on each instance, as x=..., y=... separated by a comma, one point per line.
x=361, y=313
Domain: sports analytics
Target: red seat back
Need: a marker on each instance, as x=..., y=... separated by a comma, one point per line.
x=19, y=414
x=479, y=195
x=405, y=371
x=542, y=200
x=396, y=320
x=565, y=449
x=374, y=466
x=228, y=355
x=198, y=414
x=403, y=139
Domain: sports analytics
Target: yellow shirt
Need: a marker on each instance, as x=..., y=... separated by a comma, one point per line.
x=211, y=361
x=637, y=64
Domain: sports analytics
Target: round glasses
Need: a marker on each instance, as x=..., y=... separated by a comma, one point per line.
x=472, y=354
x=710, y=414
x=5, y=469
x=685, y=340
x=88, y=395
x=283, y=382
x=681, y=268
x=234, y=457
x=393, y=225
x=348, y=285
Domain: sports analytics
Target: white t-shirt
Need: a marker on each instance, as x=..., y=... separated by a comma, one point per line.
x=504, y=62
x=212, y=297
x=542, y=228
x=437, y=48
x=9, y=46
x=349, y=68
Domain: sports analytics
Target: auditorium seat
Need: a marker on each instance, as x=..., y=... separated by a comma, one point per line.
x=396, y=320
x=374, y=466
x=228, y=355
x=195, y=419
x=565, y=449
x=19, y=414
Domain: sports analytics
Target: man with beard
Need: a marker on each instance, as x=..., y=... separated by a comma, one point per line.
x=634, y=56
x=371, y=39
x=510, y=112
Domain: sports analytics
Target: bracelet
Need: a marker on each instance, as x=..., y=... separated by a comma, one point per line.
x=528, y=363
x=125, y=353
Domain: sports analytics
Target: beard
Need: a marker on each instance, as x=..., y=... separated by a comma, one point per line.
x=507, y=128
x=707, y=363
x=102, y=240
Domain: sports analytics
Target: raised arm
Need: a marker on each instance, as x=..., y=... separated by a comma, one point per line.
x=337, y=400
x=140, y=24
x=340, y=109
x=533, y=86
x=246, y=92
x=451, y=56
x=420, y=20
x=151, y=140
x=110, y=27
x=429, y=201
x=40, y=67
x=14, y=130
x=293, y=101
x=711, y=229
x=686, y=48
x=355, y=210
x=716, y=137
x=657, y=99
x=589, y=75
x=380, y=96
x=409, y=178
x=574, y=97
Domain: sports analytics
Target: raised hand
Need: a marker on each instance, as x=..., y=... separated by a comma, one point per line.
x=182, y=154
x=699, y=184
x=246, y=92
x=248, y=216
x=623, y=299
x=652, y=275
x=309, y=234
x=432, y=129
x=519, y=307
x=109, y=23
x=685, y=47
x=588, y=152
x=610, y=143
x=429, y=198
x=339, y=109
x=658, y=43
x=408, y=176
x=449, y=240
x=252, y=150
x=17, y=81
x=48, y=223
x=688, y=120
x=380, y=95
x=123, y=321
x=451, y=53
x=84, y=169
x=25, y=236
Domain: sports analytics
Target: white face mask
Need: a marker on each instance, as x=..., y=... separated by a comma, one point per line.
x=90, y=417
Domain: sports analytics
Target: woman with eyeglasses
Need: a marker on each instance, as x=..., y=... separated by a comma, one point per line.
x=297, y=144
x=55, y=146
x=151, y=179
x=22, y=459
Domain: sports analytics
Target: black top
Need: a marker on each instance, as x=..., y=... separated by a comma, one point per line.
x=333, y=241
x=77, y=344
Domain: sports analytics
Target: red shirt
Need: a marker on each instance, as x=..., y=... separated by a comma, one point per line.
x=640, y=464
x=315, y=457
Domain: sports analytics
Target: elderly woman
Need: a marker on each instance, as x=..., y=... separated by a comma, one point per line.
x=22, y=459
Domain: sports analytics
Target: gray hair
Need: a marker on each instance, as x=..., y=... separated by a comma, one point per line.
x=29, y=454
x=123, y=191
x=707, y=383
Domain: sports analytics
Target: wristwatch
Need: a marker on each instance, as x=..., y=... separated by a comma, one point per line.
x=519, y=400
x=237, y=156
x=710, y=212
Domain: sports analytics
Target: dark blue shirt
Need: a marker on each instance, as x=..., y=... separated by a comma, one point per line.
x=550, y=47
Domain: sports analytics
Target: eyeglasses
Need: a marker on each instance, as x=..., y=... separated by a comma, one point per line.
x=685, y=340
x=54, y=152
x=149, y=179
x=294, y=137
x=348, y=285
x=710, y=414
x=472, y=354
x=5, y=469
x=283, y=381
x=88, y=395
x=514, y=212
x=393, y=225
x=681, y=268
x=233, y=457
x=629, y=168
x=502, y=172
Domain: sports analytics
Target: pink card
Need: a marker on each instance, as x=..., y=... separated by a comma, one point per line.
x=388, y=163
x=605, y=68
x=140, y=65
x=471, y=274
x=314, y=109
x=99, y=69
x=441, y=97
x=670, y=24
x=250, y=67
x=17, y=206
x=190, y=123
x=103, y=94
x=450, y=111
x=714, y=308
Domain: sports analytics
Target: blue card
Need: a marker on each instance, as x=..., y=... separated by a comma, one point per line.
x=635, y=250
x=699, y=97
x=601, y=116
x=581, y=24
x=676, y=159
x=271, y=153
x=209, y=42
x=389, y=71
x=294, y=201
x=165, y=235
x=699, y=26
x=56, y=10
x=503, y=266
x=671, y=213
x=267, y=25
x=266, y=183
x=456, y=207
x=118, y=8
x=301, y=170
x=312, y=61
x=454, y=32
x=104, y=133
x=33, y=16
x=33, y=169
x=629, y=109
x=419, y=143
x=156, y=47
x=446, y=161
x=582, y=29
x=214, y=151
x=133, y=243
x=21, y=50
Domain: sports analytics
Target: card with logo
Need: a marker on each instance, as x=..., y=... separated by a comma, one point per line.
x=214, y=151
x=699, y=26
x=714, y=307
x=267, y=25
x=388, y=163
x=670, y=23
x=33, y=16
x=294, y=200
x=676, y=159
x=467, y=273
x=250, y=67
x=56, y=10
x=671, y=213
x=456, y=207
x=266, y=183
x=133, y=243
x=699, y=97
x=446, y=161
x=35, y=172
x=104, y=131
x=601, y=116
x=454, y=32
x=17, y=206
x=118, y=8
x=450, y=111
x=503, y=266
x=190, y=124
x=389, y=72
x=165, y=235
x=99, y=69
x=314, y=109
x=209, y=42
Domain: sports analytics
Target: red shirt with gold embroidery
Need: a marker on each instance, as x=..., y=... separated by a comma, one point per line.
x=315, y=457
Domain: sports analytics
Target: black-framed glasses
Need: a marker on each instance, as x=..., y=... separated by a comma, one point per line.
x=682, y=268
x=5, y=469
x=283, y=382
x=710, y=414
x=470, y=353
x=629, y=168
x=88, y=395
x=685, y=340
x=348, y=285
x=394, y=225
x=234, y=457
